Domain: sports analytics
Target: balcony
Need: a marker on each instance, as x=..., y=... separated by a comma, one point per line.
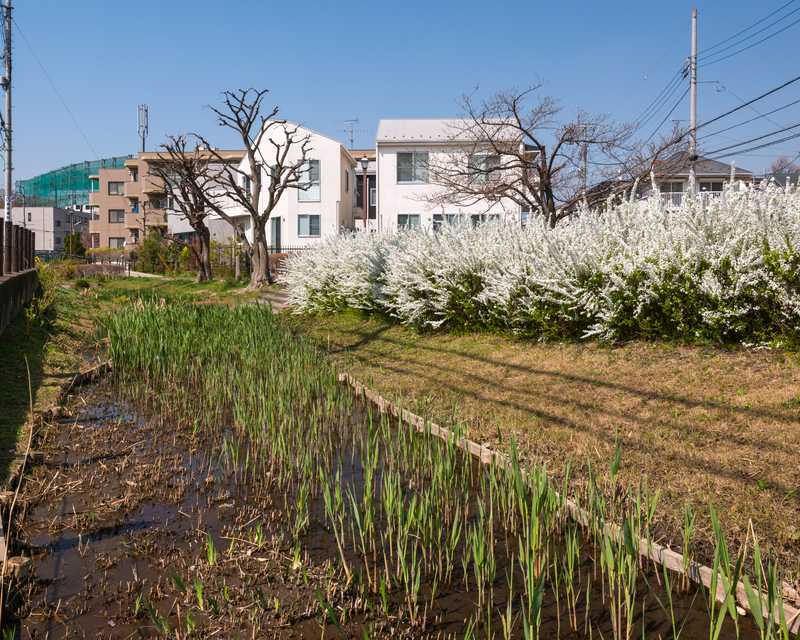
x=675, y=200
x=133, y=189
x=672, y=199
x=154, y=218
x=151, y=184
x=133, y=220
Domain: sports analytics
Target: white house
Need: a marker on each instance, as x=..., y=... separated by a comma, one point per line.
x=406, y=148
x=672, y=177
x=303, y=217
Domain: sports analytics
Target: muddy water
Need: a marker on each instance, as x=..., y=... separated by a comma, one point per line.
x=137, y=530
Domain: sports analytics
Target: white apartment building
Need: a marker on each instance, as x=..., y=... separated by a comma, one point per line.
x=406, y=148
x=304, y=217
x=51, y=224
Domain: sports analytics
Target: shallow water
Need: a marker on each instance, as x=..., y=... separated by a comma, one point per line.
x=119, y=517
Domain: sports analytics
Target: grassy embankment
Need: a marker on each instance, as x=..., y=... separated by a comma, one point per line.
x=60, y=342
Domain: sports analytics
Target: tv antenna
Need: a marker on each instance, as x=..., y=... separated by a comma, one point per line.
x=144, y=128
x=350, y=130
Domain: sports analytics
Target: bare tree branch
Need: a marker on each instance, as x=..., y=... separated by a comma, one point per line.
x=512, y=147
x=276, y=152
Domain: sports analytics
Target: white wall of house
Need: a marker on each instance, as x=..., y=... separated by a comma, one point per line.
x=307, y=217
x=398, y=199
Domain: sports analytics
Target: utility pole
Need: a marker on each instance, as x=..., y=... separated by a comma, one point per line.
x=144, y=127
x=5, y=81
x=584, y=170
x=693, y=101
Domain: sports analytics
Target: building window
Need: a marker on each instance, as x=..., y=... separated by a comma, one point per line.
x=671, y=193
x=58, y=223
x=116, y=243
x=373, y=197
x=481, y=166
x=134, y=175
x=346, y=181
x=408, y=220
x=116, y=215
x=308, y=226
x=412, y=167
x=135, y=206
x=135, y=236
x=57, y=240
x=246, y=183
x=116, y=188
x=94, y=185
x=95, y=240
x=714, y=187
x=480, y=218
x=159, y=203
x=29, y=216
x=309, y=182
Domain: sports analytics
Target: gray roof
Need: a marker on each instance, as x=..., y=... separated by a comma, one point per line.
x=435, y=130
x=678, y=166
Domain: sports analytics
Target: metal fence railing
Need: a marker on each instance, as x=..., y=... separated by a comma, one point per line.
x=17, y=248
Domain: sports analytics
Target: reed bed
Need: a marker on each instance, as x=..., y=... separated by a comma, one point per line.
x=421, y=535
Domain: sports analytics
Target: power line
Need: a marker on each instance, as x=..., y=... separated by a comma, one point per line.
x=661, y=97
x=757, y=147
x=675, y=86
x=749, y=102
x=55, y=90
x=744, y=142
x=746, y=29
x=758, y=117
x=753, y=44
x=666, y=117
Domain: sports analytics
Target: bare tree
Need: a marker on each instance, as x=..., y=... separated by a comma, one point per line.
x=276, y=154
x=784, y=165
x=517, y=150
x=189, y=177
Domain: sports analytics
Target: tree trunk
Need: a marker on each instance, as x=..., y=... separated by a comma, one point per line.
x=204, y=250
x=260, y=274
x=237, y=261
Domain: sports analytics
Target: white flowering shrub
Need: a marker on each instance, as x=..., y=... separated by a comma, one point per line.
x=724, y=270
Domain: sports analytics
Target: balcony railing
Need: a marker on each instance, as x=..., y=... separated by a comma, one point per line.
x=676, y=199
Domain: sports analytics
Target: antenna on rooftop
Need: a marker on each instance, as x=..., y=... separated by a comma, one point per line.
x=350, y=130
x=143, y=123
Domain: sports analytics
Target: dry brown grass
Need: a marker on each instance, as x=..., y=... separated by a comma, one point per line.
x=701, y=425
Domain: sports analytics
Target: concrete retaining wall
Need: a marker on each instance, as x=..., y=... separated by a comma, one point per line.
x=16, y=290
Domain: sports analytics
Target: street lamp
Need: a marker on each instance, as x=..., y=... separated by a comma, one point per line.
x=364, y=188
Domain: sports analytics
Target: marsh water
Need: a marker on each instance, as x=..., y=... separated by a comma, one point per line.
x=139, y=527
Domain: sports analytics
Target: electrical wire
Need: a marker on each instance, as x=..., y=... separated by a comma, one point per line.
x=744, y=142
x=752, y=35
x=660, y=98
x=757, y=147
x=751, y=45
x=748, y=103
x=746, y=29
x=758, y=117
x=55, y=90
x=665, y=100
x=666, y=117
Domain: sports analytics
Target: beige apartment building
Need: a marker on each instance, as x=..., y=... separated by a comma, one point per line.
x=128, y=203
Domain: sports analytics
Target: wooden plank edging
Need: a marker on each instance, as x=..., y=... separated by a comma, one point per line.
x=659, y=554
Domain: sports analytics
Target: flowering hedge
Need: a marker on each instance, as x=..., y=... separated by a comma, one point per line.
x=727, y=270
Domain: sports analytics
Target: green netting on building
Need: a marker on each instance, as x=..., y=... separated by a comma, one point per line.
x=66, y=186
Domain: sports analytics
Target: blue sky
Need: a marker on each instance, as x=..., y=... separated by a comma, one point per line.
x=332, y=61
